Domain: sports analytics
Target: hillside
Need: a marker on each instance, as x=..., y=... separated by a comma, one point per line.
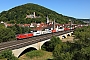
x=19, y=14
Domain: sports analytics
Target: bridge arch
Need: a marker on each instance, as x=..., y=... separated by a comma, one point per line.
x=64, y=36
x=43, y=42
x=27, y=50
x=18, y=52
x=68, y=34
x=37, y=46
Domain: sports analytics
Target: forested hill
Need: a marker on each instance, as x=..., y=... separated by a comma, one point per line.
x=84, y=19
x=18, y=14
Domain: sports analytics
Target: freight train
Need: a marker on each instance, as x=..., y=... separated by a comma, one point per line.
x=36, y=33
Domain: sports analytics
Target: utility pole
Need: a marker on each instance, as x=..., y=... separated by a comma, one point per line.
x=54, y=24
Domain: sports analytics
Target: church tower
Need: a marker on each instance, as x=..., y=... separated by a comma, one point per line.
x=47, y=20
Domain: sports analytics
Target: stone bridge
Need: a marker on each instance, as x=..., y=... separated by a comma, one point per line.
x=37, y=45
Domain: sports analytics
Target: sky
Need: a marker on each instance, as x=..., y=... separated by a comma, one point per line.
x=73, y=8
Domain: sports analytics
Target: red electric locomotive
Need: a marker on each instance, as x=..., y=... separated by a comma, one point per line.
x=23, y=36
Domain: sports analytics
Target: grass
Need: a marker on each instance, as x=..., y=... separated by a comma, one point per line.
x=37, y=55
x=3, y=59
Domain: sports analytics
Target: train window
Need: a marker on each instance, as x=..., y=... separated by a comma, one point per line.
x=35, y=31
x=49, y=28
x=30, y=31
x=60, y=27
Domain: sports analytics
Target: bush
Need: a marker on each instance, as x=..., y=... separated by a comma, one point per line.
x=8, y=55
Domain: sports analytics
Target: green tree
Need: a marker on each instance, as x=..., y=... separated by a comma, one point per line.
x=83, y=34
x=61, y=52
x=8, y=55
x=49, y=46
x=6, y=34
x=83, y=54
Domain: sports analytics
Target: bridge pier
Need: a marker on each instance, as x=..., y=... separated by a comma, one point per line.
x=71, y=32
x=60, y=37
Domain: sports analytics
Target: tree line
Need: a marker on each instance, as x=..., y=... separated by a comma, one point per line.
x=9, y=33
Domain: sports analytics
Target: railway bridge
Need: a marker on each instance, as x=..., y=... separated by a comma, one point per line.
x=18, y=46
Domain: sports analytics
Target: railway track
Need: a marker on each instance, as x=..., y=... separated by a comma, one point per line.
x=25, y=42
